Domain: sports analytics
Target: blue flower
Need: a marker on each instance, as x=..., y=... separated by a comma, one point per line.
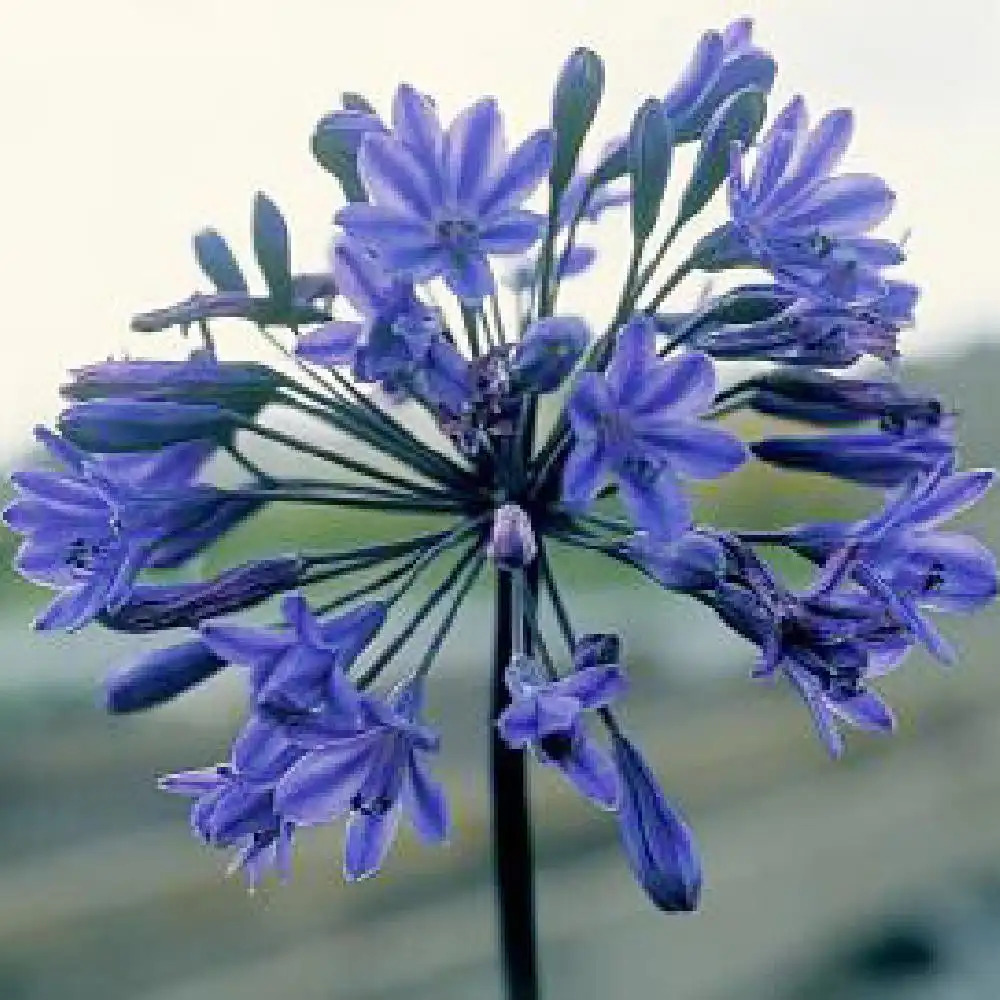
x=723, y=63
x=399, y=342
x=657, y=840
x=902, y=558
x=92, y=527
x=234, y=809
x=799, y=328
x=442, y=202
x=796, y=218
x=695, y=561
x=638, y=422
x=303, y=665
x=369, y=766
x=547, y=716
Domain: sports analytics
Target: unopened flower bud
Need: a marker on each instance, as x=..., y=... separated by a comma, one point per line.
x=159, y=676
x=512, y=542
x=658, y=843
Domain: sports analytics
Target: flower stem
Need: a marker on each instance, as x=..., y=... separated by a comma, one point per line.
x=511, y=824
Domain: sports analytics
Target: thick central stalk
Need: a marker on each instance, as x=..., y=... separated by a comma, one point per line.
x=511, y=824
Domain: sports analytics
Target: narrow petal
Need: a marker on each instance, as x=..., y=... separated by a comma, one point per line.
x=584, y=473
x=953, y=494
x=359, y=278
x=595, y=686
x=865, y=711
x=416, y=125
x=630, y=364
x=382, y=225
x=845, y=205
x=322, y=785
x=523, y=172
x=512, y=232
x=588, y=404
x=695, y=450
x=369, y=837
x=426, y=804
x=657, y=505
x=393, y=177
x=683, y=384
x=820, y=154
x=474, y=148
x=469, y=277
x=518, y=723
x=333, y=343
x=244, y=645
x=591, y=772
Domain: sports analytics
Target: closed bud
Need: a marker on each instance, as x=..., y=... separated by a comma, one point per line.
x=159, y=677
x=153, y=607
x=658, y=843
x=820, y=398
x=549, y=352
x=116, y=425
x=241, y=386
x=512, y=542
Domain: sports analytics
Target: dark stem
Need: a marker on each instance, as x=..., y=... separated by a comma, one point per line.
x=511, y=823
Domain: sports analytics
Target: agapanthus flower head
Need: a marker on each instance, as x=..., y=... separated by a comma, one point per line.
x=441, y=202
x=408, y=382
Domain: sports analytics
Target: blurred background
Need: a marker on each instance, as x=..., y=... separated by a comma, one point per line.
x=128, y=126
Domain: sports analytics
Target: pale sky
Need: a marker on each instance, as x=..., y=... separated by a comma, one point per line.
x=130, y=124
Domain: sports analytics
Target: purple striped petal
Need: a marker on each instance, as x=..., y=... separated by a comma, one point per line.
x=473, y=152
x=594, y=687
x=512, y=232
x=842, y=206
x=393, y=177
x=426, y=804
x=584, y=473
x=524, y=171
x=697, y=451
x=369, y=837
x=591, y=772
x=657, y=505
x=323, y=784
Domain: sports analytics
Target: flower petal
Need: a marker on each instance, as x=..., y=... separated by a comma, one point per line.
x=393, y=177
x=322, y=785
x=369, y=837
x=426, y=804
x=473, y=152
x=584, y=473
x=522, y=173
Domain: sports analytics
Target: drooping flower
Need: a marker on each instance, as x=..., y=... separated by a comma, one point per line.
x=91, y=527
x=901, y=556
x=547, y=715
x=370, y=767
x=303, y=665
x=548, y=351
x=779, y=323
x=442, y=202
x=639, y=423
x=657, y=840
x=234, y=806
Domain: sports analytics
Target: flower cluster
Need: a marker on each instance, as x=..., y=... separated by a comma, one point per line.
x=440, y=301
